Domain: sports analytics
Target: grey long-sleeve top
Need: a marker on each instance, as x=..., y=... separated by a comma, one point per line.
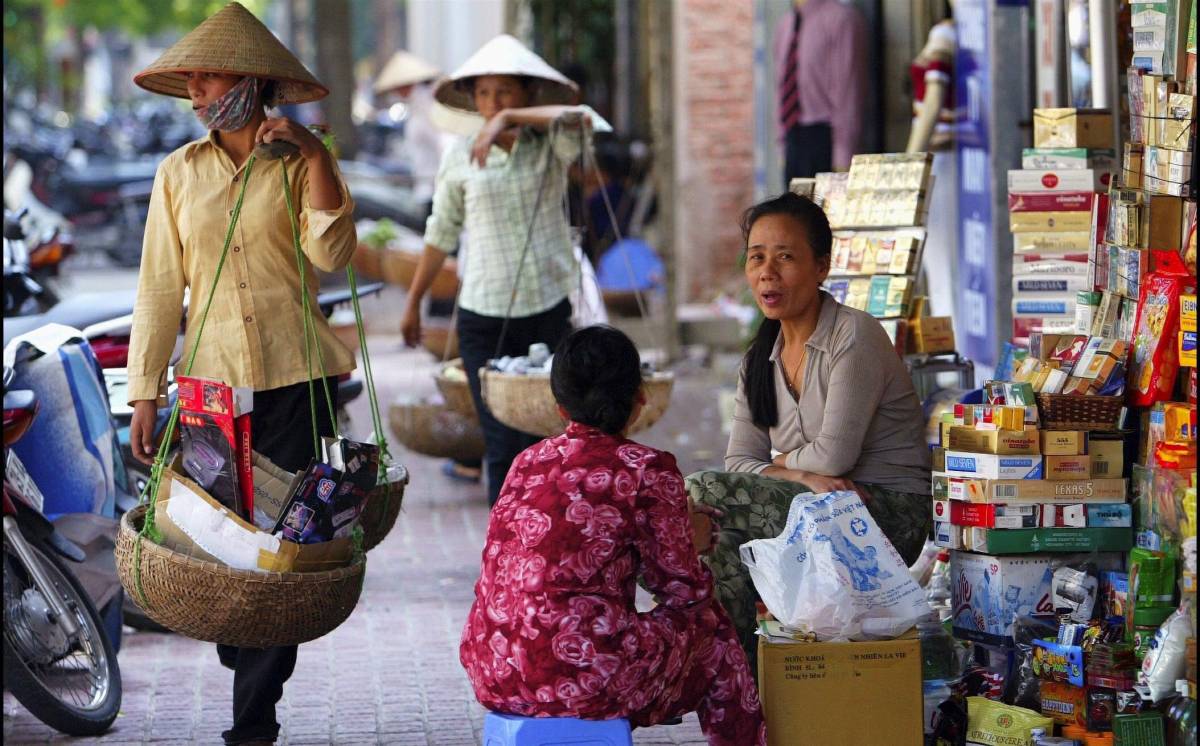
x=857, y=415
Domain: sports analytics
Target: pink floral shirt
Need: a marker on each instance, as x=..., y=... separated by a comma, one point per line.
x=553, y=630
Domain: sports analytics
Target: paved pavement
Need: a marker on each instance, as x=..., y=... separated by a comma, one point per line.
x=390, y=674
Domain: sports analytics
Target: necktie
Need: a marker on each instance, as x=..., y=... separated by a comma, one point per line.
x=789, y=92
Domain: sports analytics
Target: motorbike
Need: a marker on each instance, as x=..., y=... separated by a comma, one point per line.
x=58, y=661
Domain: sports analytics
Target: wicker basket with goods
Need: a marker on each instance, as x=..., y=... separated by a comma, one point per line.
x=455, y=389
x=432, y=429
x=1069, y=412
x=526, y=403
x=213, y=602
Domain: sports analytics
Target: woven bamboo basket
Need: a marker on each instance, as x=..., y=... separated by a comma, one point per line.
x=398, y=268
x=215, y=603
x=1068, y=412
x=366, y=261
x=526, y=403
x=434, y=430
x=383, y=508
x=435, y=337
x=456, y=391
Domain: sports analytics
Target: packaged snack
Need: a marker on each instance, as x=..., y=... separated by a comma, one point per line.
x=216, y=442
x=1155, y=359
x=1074, y=592
x=991, y=722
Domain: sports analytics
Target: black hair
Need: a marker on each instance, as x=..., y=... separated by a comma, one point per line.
x=758, y=372
x=528, y=82
x=596, y=377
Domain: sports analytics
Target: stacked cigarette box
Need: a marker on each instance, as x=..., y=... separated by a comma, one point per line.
x=1057, y=211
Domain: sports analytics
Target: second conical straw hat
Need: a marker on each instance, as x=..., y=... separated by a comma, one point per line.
x=504, y=55
x=234, y=42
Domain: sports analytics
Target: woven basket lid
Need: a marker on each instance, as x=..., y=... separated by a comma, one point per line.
x=404, y=68
x=504, y=55
x=232, y=42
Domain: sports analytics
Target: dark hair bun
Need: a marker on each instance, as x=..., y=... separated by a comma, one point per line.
x=596, y=376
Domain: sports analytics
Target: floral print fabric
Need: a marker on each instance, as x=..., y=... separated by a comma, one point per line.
x=554, y=632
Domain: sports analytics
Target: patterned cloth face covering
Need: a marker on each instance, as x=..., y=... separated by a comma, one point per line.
x=233, y=110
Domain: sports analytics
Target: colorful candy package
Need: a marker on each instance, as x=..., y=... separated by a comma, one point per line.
x=1155, y=360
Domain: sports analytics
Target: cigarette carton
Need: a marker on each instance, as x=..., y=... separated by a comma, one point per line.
x=1010, y=491
x=984, y=515
x=1035, y=540
x=1064, y=442
x=1108, y=458
x=1068, y=467
x=991, y=466
x=1063, y=222
x=947, y=535
x=1110, y=516
x=1053, y=244
x=1187, y=349
x=1072, y=128
x=1005, y=442
x=1053, y=159
x=1046, y=283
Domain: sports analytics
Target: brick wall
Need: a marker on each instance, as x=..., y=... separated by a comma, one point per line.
x=714, y=129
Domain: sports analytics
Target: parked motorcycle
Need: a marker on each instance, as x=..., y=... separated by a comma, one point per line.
x=58, y=661
x=23, y=294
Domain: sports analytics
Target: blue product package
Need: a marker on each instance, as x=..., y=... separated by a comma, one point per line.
x=1115, y=515
x=1055, y=662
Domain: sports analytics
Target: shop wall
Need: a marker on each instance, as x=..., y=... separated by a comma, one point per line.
x=714, y=141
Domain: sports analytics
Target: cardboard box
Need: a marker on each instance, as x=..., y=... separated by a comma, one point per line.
x=1033, y=540
x=1072, y=128
x=1050, y=201
x=941, y=486
x=1187, y=312
x=1047, y=159
x=1005, y=442
x=1037, y=490
x=815, y=693
x=1053, y=244
x=948, y=536
x=1051, y=222
x=1108, y=458
x=272, y=488
x=1068, y=467
x=195, y=524
x=1046, y=283
x=1064, y=442
x=1064, y=703
x=1056, y=304
x=1163, y=228
x=1119, y=515
x=959, y=513
x=987, y=593
x=933, y=334
x=990, y=466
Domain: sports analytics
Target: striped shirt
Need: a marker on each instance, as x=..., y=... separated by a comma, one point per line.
x=495, y=205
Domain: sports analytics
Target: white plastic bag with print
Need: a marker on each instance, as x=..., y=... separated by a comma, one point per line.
x=833, y=573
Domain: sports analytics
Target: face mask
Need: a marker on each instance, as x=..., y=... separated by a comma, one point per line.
x=233, y=110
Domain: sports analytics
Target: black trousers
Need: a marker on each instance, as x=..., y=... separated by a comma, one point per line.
x=477, y=338
x=281, y=429
x=808, y=150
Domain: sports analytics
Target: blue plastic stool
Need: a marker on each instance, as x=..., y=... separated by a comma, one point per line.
x=513, y=730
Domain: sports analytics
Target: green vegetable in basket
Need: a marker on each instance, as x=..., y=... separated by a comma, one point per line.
x=383, y=233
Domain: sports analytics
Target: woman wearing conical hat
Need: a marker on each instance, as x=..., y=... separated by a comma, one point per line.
x=232, y=68
x=505, y=186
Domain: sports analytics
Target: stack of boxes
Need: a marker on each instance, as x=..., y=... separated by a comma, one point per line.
x=1056, y=213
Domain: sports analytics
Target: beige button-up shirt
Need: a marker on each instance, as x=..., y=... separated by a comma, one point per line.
x=254, y=333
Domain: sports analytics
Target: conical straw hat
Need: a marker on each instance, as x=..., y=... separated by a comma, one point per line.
x=504, y=55
x=232, y=42
x=404, y=68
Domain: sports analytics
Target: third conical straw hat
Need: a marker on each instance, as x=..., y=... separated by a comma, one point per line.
x=233, y=42
x=404, y=68
x=504, y=55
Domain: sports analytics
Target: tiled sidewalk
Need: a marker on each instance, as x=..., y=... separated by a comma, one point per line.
x=390, y=674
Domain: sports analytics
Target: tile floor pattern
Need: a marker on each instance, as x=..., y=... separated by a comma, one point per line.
x=390, y=674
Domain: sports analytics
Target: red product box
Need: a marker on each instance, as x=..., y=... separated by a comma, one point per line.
x=986, y=515
x=1050, y=201
x=215, y=419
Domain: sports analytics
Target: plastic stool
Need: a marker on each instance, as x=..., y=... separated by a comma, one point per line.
x=513, y=730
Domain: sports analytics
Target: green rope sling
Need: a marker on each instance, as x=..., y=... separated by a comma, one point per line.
x=150, y=491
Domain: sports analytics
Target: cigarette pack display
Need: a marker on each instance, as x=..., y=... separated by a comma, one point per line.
x=839, y=289
x=859, y=293
x=1053, y=244
x=1068, y=467
x=986, y=515
x=1072, y=128
x=1133, y=166
x=947, y=535
x=1023, y=327
x=1162, y=101
x=1049, y=283
x=1064, y=222
x=898, y=292
x=1097, y=253
x=991, y=466
x=1054, y=159
x=1178, y=121
x=1110, y=516
x=1028, y=540
x=1045, y=305
x=1050, y=201
x=1187, y=312
x=216, y=440
x=1187, y=349
x=1009, y=491
x=1137, y=106
x=878, y=295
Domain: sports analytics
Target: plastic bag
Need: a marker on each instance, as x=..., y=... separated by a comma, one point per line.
x=991, y=722
x=1166, y=660
x=833, y=573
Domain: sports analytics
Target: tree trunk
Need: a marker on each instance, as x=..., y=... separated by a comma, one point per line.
x=335, y=68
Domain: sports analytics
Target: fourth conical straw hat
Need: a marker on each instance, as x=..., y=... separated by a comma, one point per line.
x=233, y=42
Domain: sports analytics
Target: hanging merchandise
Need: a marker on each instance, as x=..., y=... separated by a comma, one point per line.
x=207, y=571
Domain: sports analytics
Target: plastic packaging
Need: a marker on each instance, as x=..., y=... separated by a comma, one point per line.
x=833, y=573
x=1167, y=657
x=991, y=722
x=1075, y=591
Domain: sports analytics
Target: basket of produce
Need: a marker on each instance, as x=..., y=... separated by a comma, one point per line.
x=211, y=601
x=455, y=389
x=367, y=260
x=524, y=401
x=1075, y=412
x=383, y=507
x=441, y=340
x=432, y=429
x=393, y=252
